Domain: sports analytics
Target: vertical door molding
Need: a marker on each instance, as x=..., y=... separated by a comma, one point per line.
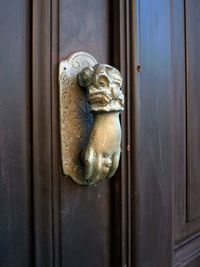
x=45, y=135
x=123, y=56
x=44, y=112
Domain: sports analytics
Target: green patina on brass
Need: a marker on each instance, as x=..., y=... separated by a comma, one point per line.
x=90, y=144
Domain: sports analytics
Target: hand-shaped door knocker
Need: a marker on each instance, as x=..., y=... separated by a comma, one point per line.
x=90, y=102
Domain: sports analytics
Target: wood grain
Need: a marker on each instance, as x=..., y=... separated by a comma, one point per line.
x=15, y=146
x=185, y=92
x=186, y=182
x=153, y=118
x=193, y=108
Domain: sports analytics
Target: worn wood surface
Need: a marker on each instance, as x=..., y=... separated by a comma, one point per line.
x=15, y=146
x=186, y=112
x=185, y=39
x=153, y=190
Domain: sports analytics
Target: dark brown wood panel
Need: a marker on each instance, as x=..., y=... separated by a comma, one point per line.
x=85, y=211
x=84, y=26
x=15, y=147
x=186, y=80
x=185, y=93
x=193, y=107
x=153, y=213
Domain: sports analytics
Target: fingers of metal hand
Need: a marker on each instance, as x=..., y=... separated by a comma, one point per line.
x=105, y=167
x=98, y=98
x=115, y=164
x=89, y=160
x=96, y=170
x=104, y=91
x=101, y=166
x=107, y=161
x=99, y=169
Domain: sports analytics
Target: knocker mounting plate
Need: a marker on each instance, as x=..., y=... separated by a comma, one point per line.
x=75, y=118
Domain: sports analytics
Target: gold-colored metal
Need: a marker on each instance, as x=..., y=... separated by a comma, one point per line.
x=90, y=103
x=75, y=118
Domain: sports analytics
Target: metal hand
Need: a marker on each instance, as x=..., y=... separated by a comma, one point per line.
x=102, y=153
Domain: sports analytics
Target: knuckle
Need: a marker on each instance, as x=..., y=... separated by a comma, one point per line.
x=87, y=161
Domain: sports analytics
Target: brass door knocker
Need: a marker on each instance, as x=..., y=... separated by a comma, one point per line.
x=90, y=102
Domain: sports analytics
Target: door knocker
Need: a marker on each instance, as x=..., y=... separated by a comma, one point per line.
x=90, y=102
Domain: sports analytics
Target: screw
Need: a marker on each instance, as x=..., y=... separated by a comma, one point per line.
x=138, y=68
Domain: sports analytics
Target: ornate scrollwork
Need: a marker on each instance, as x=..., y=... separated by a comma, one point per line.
x=75, y=119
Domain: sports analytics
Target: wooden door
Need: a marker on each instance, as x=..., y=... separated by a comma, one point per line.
x=147, y=215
